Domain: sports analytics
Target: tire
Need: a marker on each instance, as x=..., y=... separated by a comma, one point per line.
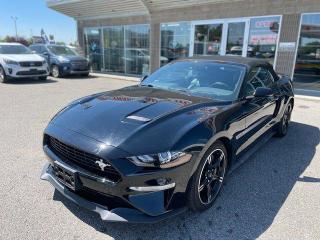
x=3, y=76
x=43, y=78
x=206, y=183
x=282, y=128
x=55, y=71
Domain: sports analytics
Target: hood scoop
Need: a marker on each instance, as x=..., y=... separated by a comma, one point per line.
x=139, y=118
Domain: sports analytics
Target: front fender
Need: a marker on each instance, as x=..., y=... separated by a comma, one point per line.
x=200, y=138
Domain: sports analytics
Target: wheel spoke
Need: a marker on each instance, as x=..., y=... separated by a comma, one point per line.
x=209, y=193
x=218, y=162
x=210, y=159
x=202, y=184
x=201, y=187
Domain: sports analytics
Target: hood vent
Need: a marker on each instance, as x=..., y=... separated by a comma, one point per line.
x=139, y=118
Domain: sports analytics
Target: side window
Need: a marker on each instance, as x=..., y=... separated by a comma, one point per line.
x=266, y=77
x=258, y=77
x=43, y=49
x=35, y=48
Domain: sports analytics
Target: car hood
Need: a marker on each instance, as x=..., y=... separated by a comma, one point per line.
x=133, y=115
x=73, y=57
x=22, y=57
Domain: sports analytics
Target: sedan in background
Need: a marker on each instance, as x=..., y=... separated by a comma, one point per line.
x=62, y=60
x=150, y=151
x=17, y=61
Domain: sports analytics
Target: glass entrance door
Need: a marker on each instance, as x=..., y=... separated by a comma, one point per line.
x=228, y=37
x=207, y=39
x=236, y=41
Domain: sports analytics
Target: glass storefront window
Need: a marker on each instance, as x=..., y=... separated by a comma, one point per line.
x=207, y=39
x=307, y=68
x=123, y=50
x=235, y=38
x=263, y=37
x=113, y=38
x=93, y=49
x=137, y=54
x=175, y=41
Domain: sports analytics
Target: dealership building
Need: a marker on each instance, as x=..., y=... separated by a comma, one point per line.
x=135, y=37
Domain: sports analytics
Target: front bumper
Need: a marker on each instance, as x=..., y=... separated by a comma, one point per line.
x=114, y=215
x=69, y=68
x=15, y=71
x=135, y=198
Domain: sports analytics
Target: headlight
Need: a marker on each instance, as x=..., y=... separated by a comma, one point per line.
x=44, y=62
x=163, y=160
x=8, y=61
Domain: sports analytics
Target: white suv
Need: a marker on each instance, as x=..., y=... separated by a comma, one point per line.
x=17, y=61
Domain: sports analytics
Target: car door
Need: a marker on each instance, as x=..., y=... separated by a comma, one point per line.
x=258, y=111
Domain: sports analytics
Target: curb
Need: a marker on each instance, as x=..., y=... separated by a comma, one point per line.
x=124, y=78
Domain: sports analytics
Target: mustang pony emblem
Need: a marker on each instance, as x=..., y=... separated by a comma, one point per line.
x=102, y=165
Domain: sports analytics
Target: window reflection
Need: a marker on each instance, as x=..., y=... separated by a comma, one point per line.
x=307, y=68
x=263, y=37
x=175, y=41
x=125, y=49
x=92, y=42
x=235, y=38
x=137, y=55
x=207, y=39
x=113, y=49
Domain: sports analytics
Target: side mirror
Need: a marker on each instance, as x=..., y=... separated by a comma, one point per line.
x=263, y=92
x=46, y=54
x=143, y=78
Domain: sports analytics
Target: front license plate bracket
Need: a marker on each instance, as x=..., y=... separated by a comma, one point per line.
x=65, y=176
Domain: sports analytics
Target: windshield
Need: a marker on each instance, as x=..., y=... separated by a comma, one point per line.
x=61, y=50
x=202, y=78
x=14, y=49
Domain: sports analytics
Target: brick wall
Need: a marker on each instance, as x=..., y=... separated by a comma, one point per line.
x=289, y=33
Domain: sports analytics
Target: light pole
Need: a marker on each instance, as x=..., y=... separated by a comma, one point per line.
x=15, y=26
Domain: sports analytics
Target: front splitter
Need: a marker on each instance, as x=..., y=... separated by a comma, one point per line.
x=114, y=215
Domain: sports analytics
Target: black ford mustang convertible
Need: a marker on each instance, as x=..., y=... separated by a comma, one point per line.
x=143, y=153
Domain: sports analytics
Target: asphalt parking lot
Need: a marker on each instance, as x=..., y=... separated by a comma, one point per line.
x=274, y=195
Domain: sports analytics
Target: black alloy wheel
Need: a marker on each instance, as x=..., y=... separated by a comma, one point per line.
x=208, y=179
x=285, y=121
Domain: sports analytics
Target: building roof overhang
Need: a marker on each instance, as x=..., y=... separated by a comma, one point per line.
x=98, y=9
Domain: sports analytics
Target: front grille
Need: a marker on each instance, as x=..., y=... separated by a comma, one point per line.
x=31, y=64
x=81, y=158
x=83, y=63
x=33, y=72
x=79, y=65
